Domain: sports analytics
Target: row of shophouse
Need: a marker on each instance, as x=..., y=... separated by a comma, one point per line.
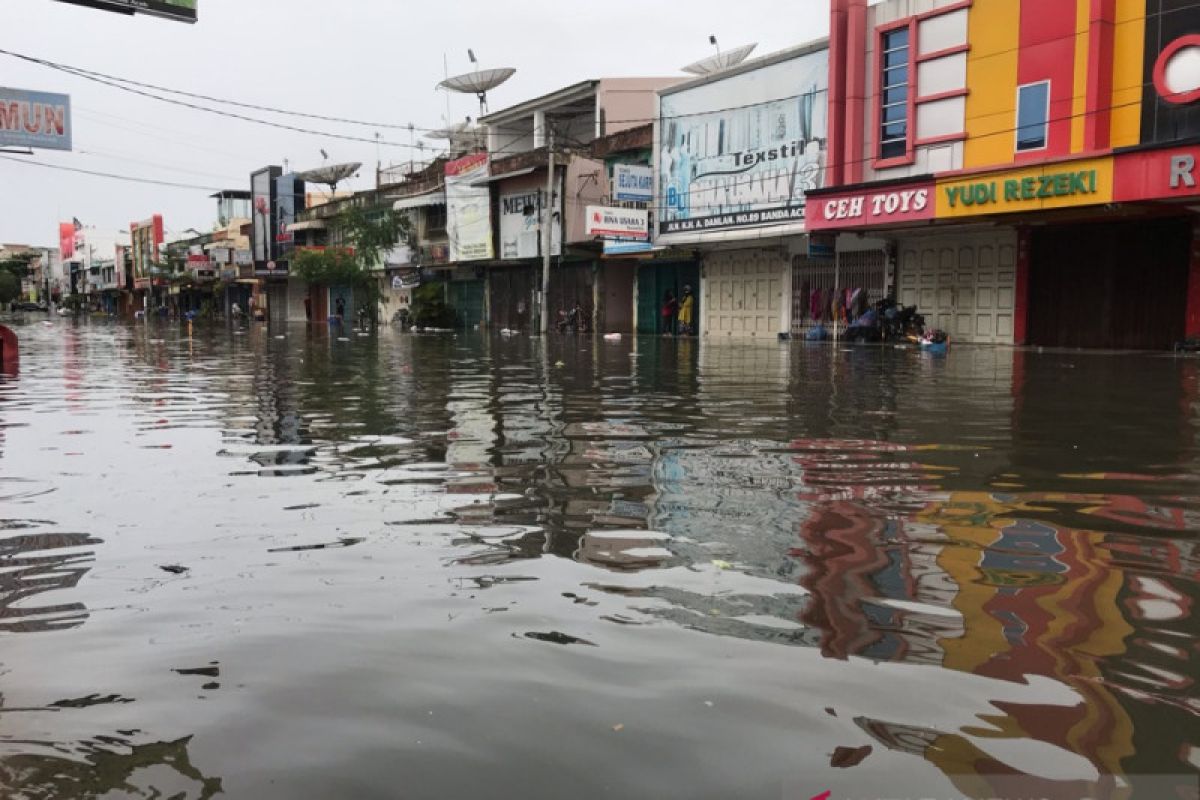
x=1024, y=172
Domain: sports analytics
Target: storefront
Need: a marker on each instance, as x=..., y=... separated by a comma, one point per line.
x=654, y=280
x=743, y=292
x=736, y=154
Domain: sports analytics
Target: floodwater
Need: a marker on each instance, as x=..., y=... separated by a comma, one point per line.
x=287, y=564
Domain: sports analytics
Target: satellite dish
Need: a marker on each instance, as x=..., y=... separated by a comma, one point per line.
x=463, y=136
x=331, y=175
x=478, y=83
x=721, y=61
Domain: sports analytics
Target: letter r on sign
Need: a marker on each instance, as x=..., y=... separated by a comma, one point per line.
x=1182, y=168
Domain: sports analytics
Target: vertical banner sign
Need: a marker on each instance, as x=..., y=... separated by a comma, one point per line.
x=742, y=151
x=262, y=189
x=66, y=240
x=35, y=119
x=469, y=209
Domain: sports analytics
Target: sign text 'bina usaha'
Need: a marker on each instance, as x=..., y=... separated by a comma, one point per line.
x=1060, y=185
x=35, y=119
x=618, y=223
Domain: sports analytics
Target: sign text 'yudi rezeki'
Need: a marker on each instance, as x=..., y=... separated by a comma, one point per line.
x=1057, y=185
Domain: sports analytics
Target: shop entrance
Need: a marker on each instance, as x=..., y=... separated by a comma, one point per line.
x=1119, y=286
x=653, y=283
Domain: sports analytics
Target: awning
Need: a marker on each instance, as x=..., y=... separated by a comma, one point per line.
x=516, y=173
x=310, y=225
x=437, y=198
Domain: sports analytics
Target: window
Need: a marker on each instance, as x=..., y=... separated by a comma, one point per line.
x=1033, y=116
x=893, y=94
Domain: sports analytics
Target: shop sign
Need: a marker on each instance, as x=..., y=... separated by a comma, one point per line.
x=229, y=274
x=909, y=203
x=632, y=183
x=1059, y=185
x=618, y=223
x=35, y=119
x=521, y=224
x=243, y=258
x=742, y=151
x=1158, y=174
x=468, y=209
x=220, y=255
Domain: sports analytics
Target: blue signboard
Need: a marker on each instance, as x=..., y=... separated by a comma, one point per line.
x=35, y=119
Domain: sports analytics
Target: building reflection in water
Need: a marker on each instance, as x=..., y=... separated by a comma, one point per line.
x=110, y=766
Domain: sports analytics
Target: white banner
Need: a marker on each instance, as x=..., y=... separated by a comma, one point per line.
x=632, y=183
x=618, y=223
x=468, y=209
x=521, y=224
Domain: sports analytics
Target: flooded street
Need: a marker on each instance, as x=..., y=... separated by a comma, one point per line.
x=284, y=564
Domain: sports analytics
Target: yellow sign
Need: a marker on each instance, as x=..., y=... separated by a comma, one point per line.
x=1057, y=185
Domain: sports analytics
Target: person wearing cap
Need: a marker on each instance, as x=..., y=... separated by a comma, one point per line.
x=687, y=312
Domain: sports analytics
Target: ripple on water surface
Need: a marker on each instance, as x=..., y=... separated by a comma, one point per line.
x=319, y=565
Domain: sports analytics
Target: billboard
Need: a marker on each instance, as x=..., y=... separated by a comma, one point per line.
x=66, y=240
x=35, y=119
x=741, y=151
x=262, y=233
x=468, y=209
x=632, y=183
x=145, y=239
x=285, y=215
x=618, y=223
x=179, y=10
x=521, y=224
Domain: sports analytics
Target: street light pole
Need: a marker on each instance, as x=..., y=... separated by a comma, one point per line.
x=547, y=232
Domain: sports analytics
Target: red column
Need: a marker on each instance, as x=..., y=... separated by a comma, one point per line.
x=856, y=89
x=1021, y=300
x=1097, y=125
x=838, y=56
x=1192, y=326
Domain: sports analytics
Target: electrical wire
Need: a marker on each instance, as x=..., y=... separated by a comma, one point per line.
x=114, y=176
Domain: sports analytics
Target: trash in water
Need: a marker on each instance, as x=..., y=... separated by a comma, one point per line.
x=554, y=637
x=719, y=564
x=211, y=671
x=343, y=542
x=846, y=757
x=618, y=727
x=174, y=569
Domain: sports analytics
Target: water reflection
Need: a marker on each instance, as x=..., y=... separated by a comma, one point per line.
x=1000, y=515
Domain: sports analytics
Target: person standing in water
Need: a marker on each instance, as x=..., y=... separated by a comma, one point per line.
x=669, y=308
x=687, y=312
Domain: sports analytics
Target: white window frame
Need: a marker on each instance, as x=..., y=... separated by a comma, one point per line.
x=909, y=81
x=1046, y=125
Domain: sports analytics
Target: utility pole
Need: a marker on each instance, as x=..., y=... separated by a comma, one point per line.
x=547, y=231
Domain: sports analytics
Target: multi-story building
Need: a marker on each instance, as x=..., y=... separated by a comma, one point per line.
x=1024, y=168
x=736, y=151
x=511, y=184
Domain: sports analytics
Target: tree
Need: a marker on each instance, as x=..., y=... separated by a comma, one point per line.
x=361, y=240
x=10, y=287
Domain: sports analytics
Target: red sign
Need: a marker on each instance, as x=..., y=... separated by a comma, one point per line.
x=1157, y=174
x=870, y=207
x=66, y=240
x=465, y=164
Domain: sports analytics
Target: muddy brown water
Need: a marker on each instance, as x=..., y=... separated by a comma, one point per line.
x=280, y=564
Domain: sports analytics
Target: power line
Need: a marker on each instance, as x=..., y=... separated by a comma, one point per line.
x=207, y=109
x=112, y=175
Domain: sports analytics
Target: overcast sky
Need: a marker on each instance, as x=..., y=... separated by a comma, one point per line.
x=377, y=60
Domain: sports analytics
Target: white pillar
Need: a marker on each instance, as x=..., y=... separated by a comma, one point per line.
x=539, y=129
